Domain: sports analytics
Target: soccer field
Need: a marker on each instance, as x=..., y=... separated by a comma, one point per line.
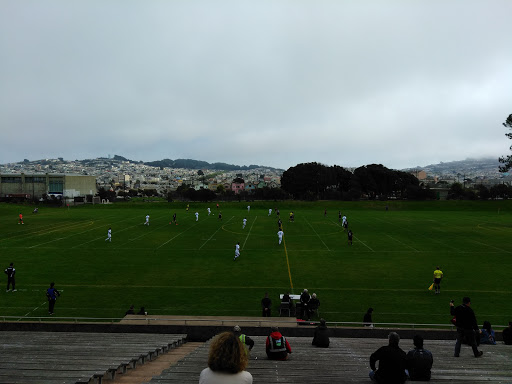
x=188, y=269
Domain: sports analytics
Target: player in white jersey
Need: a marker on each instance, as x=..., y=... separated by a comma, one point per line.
x=280, y=236
x=209, y=211
x=270, y=211
x=197, y=216
x=248, y=208
x=147, y=220
x=109, y=235
x=244, y=222
x=343, y=221
x=237, y=251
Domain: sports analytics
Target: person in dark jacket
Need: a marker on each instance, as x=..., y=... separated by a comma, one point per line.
x=52, y=294
x=266, y=306
x=277, y=347
x=321, y=337
x=304, y=302
x=367, y=318
x=419, y=361
x=507, y=334
x=392, y=362
x=10, y=272
x=467, y=327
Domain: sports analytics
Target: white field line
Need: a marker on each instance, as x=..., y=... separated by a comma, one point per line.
x=307, y=221
x=179, y=234
x=247, y=237
x=29, y=312
x=431, y=238
x=492, y=246
x=148, y=232
x=74, y=234
x=362, y=242
x=398, y=241
x=218, y=229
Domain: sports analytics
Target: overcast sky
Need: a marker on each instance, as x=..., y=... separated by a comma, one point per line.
x=277, y=83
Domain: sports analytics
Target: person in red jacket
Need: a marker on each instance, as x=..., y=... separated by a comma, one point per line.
x=277, y=347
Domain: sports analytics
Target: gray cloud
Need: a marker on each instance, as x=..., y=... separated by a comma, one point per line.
x=401, y=83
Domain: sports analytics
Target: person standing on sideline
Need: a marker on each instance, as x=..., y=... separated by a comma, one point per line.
x=419, y=361
x=109, y=235
x=246, y=340
x=10, y=272
x=438, y=275
x=147, y=220
x=197, y=216
x=266, y=306
x=349, y=236
x=244, y=222
x=367, y=318
x=52, y=294
x=21, y=219
x=237, y=251
x=467, y=327
x=280, y=235
x=391, y=360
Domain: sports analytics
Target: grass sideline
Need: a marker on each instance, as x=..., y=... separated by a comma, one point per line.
x=189, y=269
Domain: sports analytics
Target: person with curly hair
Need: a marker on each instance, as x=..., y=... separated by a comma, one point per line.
x=227, y=361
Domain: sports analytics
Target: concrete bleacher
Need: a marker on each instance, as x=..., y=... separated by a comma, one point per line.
x=347, y=361
x=76, y=357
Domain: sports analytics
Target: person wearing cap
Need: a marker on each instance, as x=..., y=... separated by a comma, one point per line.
x=246, y=340
x=277, y=347
x=321, y=338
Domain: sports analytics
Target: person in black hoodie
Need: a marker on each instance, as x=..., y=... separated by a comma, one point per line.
x=419, y=361
x=467, y=327
x=321, y=338
x=392, y=362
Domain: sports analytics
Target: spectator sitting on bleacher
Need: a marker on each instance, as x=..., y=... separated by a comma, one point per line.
x=246, y=340
x=277, y=346
x=419, y=361
x=487, y=334
x=226, y=362
x=507, y=334
x=321, y=338
x=391, y=360
x=131, y=311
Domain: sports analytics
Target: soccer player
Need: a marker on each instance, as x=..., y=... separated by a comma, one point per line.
x=280, y=236
x=237, y=251
x=188, y=207
x=174, y=219
x=10, y=272
x=197, y=216
x=220, y=216
x=147, y=220
x=109, y=235
x=350, y=234
x=248, y=208
x=279, y=224
x=270, y=211
x=339, y=217
x=209, y=211
x=52, y=294
x=21, y=219
x=244, y=222
x=438, y=275
x=344, y=222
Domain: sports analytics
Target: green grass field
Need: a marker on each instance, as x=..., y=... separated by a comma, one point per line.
x=189, y=269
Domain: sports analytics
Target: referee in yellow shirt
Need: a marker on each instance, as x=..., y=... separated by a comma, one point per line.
x=438, y=275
